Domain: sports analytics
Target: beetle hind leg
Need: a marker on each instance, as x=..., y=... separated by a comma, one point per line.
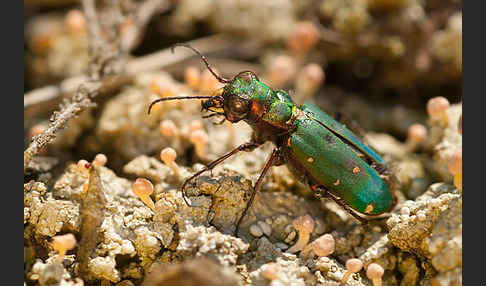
x=323, y=192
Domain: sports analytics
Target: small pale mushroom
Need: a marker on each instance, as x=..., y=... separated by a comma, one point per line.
x=168, y=156
x=374, y=272
x=417, y=133
x=100, y=160
x=75, y=21
x=281, y=70
x=143, y=188
x=200, y=140
x=436, y=108
x=303, y=37
x=168, y=128
x=304, y=225
x=63, y=243
x=83, y=167
x=455, y=168
x=309, y=79
x=353, y=265
x=322, y=246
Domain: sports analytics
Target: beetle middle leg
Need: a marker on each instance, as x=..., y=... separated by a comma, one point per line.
x=243, y=147
x=322, y=191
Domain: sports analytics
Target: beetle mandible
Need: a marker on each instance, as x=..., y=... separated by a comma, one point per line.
x=318, y=150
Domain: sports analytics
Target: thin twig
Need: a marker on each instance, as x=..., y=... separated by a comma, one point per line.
x=80, y=101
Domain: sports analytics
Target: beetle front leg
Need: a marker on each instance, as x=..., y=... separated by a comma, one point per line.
x=250, y=146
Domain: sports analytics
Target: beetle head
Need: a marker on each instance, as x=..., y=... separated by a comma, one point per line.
x=236, y=97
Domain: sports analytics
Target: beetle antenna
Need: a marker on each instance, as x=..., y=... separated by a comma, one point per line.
x=219, y=78
x=176, y=98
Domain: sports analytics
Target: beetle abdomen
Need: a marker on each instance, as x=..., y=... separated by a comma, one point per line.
x=325, y=159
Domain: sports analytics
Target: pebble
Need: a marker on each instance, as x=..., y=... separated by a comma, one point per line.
x=256, y=231
x=265, y=227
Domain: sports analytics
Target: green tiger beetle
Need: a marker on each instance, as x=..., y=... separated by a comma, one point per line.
x=318, y=150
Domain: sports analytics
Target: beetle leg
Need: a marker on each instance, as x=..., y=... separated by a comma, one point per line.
x=243, y=147
x=275, y=155
x=324, y=192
